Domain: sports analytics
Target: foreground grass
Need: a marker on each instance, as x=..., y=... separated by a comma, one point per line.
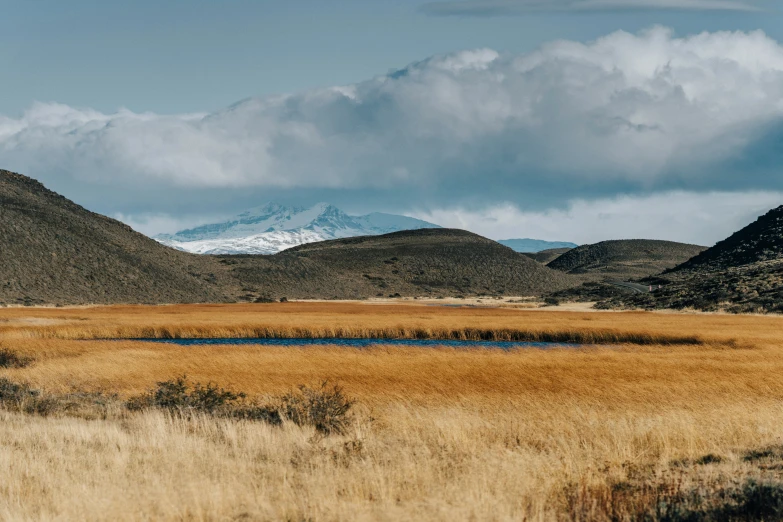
x=457, y=462
x=603, y=433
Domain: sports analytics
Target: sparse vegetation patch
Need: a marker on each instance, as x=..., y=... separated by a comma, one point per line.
x=325, y=407
x=12, y=359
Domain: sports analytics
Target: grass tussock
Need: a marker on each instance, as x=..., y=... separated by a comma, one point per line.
x=554, y=462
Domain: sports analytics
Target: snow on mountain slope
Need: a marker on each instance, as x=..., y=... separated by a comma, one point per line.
x=380, y=223
x=272, y=228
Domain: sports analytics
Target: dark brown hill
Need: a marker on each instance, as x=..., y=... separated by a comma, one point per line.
x=54, y=251
x=624, y=259
x=547, y=256
x=762, y=240
x=431, y=262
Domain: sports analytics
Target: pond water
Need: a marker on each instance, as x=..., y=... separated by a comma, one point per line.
x=360, y=343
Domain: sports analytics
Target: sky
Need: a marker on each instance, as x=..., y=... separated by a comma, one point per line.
x=570, y=120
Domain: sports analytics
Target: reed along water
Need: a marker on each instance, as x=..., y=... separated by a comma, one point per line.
x=361, y=343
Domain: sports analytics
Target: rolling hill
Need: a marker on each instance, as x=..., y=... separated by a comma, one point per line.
x=434, y=262
x=624, y=259
x=547, y=256
x=54, y=251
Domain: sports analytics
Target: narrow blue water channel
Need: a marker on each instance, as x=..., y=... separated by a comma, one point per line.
x=360, y=343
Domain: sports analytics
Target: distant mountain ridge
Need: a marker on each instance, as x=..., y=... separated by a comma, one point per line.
x=530, y=246
x=273, y=228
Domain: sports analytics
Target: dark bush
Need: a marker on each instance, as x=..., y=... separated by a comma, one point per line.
x=756, y=501
x=670, y=502
x=771, y=452
x=326, y=408
x=260, y=413
x=11, y=359
x=13, y=392
x=23, y=398
x=179, y=395
x=709, y=459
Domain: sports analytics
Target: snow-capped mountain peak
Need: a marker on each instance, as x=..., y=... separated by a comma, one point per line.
x=273, y=227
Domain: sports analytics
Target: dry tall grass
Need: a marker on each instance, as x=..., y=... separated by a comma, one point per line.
x=453, y=462
x=439, y=434
x=390, y=321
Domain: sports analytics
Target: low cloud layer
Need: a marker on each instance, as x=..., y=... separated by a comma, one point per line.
x=633, y=114
x=675, y=216
x=520, y=7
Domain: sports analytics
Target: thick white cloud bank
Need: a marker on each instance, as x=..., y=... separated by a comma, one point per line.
x=634, y=114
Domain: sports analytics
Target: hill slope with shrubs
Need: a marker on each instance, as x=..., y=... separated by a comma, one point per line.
x=624, y=259
x=433, y=262
x=54, y=251
x=760, y=241
x=547, y=256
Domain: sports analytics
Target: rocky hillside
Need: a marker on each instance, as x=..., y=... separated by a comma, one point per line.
x=54, y=251
x=762, y=240
x=624, y=259
x=752, y=288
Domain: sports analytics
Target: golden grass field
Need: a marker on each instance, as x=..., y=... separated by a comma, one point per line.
x=666, y=405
